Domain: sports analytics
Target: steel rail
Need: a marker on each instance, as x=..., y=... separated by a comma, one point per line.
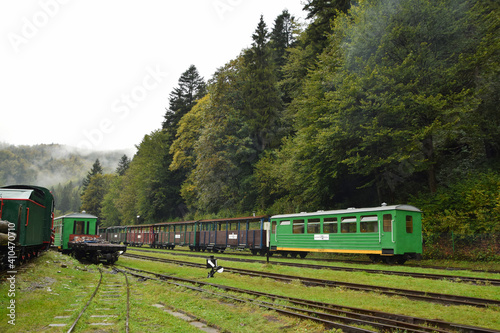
x=467, y=279
x=88, y=303
x=412, y=294
x=343, y=314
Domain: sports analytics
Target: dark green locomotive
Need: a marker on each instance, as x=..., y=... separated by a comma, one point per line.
x=26, y=218
x=389, y=233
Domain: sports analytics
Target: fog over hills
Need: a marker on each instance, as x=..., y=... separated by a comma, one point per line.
x=51, y=164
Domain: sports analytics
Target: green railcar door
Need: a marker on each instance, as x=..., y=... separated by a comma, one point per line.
x=387, y=240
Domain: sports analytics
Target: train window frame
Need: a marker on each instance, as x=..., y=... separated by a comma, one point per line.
x=298, y=226
x=313, y=226
x=409, y=224
x=334, y=221
x=79, y=228
x=387, y=223
x=368, y=224
x=348, y=225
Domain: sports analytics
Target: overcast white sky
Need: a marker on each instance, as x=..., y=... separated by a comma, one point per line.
x=97, y=74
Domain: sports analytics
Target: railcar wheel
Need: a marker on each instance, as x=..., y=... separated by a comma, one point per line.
x=401, y=260
x=375, y=258
x=390, y=260
x=303, y=255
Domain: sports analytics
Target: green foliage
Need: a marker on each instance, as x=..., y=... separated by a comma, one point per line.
x=223, y=149
x=191, y=88
x=111, y=214
x=67, y=198
x=470, y=206
x=391, y=103
x=96, y=170
x=14, y=169
x=123, y=165
x=188, y=133
x=92, y=198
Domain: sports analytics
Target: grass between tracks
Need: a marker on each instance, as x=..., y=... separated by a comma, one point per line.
x=46, y=289
x=483, y=317
x=47, y=286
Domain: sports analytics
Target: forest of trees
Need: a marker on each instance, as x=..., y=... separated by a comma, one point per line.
x=372, y=101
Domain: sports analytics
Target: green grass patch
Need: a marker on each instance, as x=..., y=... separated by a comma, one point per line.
x=52, y=282
x=400, y=282
x=487, y=317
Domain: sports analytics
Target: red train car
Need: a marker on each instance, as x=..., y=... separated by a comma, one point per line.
x=139, y=235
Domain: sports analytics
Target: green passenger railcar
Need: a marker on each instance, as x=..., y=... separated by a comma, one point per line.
x=69, y=226
x=389, y=233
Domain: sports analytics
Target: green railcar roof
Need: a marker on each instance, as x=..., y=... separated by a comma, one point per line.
x=350, y=211
x=77, y=216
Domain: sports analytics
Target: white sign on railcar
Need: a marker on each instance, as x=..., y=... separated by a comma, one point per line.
x=233, y=236
x=322, y=237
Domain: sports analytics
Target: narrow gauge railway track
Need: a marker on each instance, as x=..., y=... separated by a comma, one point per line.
x=347, y=261
x=330, y=315
x=108, y=295
x=411, y=294
x=474, y=280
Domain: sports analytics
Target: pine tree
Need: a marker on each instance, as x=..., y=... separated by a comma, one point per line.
x=123, y=165
x=322, y=12
x=282, y=37
x=96, y=170
x=191, y=88
x=262, y=102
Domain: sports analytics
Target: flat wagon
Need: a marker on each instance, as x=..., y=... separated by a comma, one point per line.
x=78, y=233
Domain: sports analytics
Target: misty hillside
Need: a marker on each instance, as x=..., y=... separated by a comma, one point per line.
x=50, y=165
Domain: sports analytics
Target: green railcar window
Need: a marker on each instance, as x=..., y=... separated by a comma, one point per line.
x=369, y=223
x=348, y=225
x=298, y=226
x=79, y=227
x=409, y=224
x=387, y=223
x=330, y=225
x=313, y=226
